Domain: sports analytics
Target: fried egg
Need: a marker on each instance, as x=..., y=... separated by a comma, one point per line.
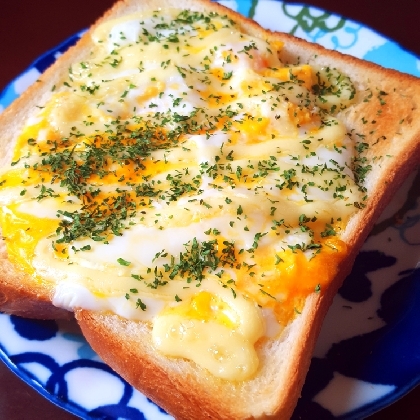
x=182, y=175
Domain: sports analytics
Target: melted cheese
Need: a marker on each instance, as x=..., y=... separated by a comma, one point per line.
x=183, y=176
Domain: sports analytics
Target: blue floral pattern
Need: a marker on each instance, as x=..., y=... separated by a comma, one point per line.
x=373, y=322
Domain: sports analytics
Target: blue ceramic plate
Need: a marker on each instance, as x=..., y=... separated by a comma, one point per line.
x=368, y=353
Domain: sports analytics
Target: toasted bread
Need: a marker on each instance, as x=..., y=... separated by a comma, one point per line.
x=385, y=113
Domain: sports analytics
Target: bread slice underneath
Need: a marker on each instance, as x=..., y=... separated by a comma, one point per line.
x=187, y=391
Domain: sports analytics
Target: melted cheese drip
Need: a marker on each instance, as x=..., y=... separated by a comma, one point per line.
x=182, y=175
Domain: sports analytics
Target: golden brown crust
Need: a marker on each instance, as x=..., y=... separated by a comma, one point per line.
x=386, y=113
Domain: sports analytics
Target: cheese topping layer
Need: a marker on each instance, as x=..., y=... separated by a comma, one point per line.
x=184, y=176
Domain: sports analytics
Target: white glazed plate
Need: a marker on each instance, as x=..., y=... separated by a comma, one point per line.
x=367, y=353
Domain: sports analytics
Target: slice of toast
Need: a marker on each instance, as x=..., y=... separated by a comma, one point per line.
x=385, y=115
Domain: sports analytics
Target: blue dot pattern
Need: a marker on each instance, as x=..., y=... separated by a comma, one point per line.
x=36, y=330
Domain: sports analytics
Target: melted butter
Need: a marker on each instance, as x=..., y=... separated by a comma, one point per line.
x=225, y=353
x=217, y=331
x=188, y=193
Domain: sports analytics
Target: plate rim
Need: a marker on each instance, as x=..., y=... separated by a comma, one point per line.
x=73, y=408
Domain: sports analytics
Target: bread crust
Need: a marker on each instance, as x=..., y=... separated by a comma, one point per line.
x=178, y=385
